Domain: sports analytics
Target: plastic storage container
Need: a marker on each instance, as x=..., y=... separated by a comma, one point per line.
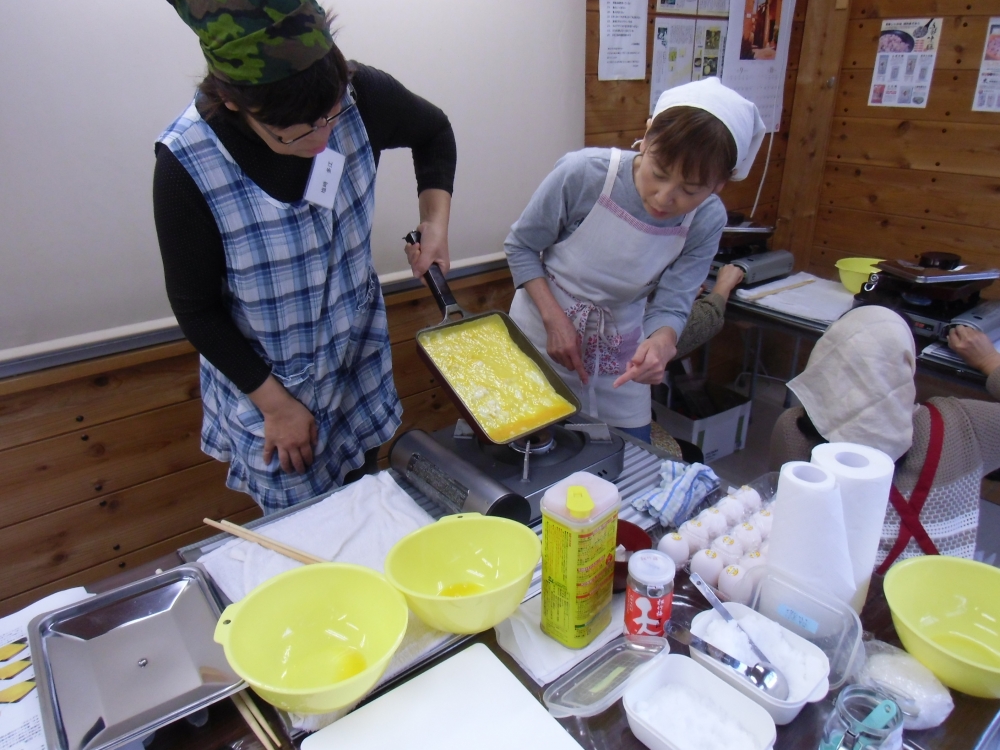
x=679, y=670
x=822, y=620
x=595, y=683
x=782, y=711
x=579, y=523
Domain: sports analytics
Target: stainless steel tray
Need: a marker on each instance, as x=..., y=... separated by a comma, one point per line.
x=113, y=668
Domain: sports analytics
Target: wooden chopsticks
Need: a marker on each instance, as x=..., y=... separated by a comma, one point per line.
x=256, y=721
x=761, y=295
x=264, y=541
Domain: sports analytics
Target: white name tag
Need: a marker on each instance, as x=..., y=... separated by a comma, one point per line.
x=324, y=178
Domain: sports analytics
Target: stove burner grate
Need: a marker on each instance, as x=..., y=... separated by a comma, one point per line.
x=539, y=443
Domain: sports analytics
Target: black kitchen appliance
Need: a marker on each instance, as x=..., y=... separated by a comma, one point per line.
x=464, y=472
x=931, y=293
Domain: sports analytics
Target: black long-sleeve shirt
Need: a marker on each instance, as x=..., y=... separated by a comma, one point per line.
x=194, y=261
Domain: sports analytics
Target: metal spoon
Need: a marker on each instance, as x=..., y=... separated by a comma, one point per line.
x=718, y=606
x=763, y=676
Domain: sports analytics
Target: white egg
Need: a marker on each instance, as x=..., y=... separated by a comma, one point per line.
x=676, y=547
x=763, y=519
x=708, y=565
x=729, y=549
x=749, y=497
x=747, y=535
x=765, y=546
x=695, y=533
x=731, y=508
x=752, y=560
x=730, y=583
x=714, y=520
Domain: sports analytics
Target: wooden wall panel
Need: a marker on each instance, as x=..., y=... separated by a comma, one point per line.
x=51, y=474
x=957, y=198
x=87, y=534
x=121, y=563
x=950, y=100
x=616, y=114
x=917, y=144
x=38, y=413
x=127, y=483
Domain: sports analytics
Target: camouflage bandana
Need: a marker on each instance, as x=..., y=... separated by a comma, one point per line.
x=257, y=41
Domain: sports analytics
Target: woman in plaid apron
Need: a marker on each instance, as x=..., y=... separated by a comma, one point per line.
x=295, y=371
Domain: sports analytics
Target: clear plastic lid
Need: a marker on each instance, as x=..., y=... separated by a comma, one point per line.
x=600, y=679
x=651, y=567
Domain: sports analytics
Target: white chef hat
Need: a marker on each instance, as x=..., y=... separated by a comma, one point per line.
x=738, y=114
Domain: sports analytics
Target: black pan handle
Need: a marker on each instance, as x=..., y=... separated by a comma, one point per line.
x=437, y=283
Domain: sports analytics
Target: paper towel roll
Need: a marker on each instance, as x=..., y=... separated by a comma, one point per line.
x=865, y=476
x=808, y=538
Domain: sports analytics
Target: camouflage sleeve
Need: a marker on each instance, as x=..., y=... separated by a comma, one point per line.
x=397, y=118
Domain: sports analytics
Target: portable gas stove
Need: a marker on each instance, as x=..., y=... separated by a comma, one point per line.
x=455, y=467
x=932, y=295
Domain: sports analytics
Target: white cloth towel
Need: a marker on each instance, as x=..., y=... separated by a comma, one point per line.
x=540, y=655
x=358, y=524
x=821, y=300
x=739, y=115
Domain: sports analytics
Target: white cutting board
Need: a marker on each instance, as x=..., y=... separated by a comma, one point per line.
x=468, y=701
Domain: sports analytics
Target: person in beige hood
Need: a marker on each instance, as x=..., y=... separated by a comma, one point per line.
x=858, y=387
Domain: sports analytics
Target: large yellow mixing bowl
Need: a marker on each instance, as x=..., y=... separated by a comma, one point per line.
x=465, y=573
x=947, y=614
x=316, y=638
x=854, y=272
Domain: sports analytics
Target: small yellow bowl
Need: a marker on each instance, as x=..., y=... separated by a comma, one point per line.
x=946, y=611
x=464, y=573
x=316, y=638
x=854, y=272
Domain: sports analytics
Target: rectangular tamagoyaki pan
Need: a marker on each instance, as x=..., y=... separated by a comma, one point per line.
x=450, y=308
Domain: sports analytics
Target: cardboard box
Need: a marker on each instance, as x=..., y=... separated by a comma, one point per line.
x=718, y=434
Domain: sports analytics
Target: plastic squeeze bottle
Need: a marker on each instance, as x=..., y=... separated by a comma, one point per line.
x=579, y=526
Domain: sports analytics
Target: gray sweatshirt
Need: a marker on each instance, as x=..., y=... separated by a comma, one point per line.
x=566, y=196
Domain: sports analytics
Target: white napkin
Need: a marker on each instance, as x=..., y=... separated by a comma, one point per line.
x=820, y=300
x=358, y=524
x=541, y=656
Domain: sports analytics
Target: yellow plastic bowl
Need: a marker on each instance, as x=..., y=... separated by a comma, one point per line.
x=316, y=638
x=947, y=614
x=854, y=272
x=465, y=573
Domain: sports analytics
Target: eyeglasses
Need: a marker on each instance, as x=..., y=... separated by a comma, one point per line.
x=351, y=104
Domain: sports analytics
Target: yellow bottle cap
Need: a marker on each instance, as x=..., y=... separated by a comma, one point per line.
x=578, y=501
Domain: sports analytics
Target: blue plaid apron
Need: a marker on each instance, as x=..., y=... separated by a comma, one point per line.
x=301, y=287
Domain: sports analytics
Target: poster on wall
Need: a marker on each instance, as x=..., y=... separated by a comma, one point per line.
x=987, y=96
x=673, y=55
x=713, y=8
x=709, y=43
x=681, y=7
x=622, y=55
x=757, y=53
x=904, y=63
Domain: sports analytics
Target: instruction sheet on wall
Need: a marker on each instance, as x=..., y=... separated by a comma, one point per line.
x=685, y=50
x=694, y=7
x=904, y=63
x=987, y=97
x=622, y=55
x=673, y=55
x=757, y=53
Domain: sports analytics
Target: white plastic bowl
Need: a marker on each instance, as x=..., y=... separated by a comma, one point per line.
x=783, y=712
x=680, y=670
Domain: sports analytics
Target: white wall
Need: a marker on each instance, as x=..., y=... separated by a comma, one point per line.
x=87, y=86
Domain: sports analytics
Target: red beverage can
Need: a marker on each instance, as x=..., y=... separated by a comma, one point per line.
x=649, y=595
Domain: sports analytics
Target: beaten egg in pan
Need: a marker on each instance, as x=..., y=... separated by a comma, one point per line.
x=499, y=384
